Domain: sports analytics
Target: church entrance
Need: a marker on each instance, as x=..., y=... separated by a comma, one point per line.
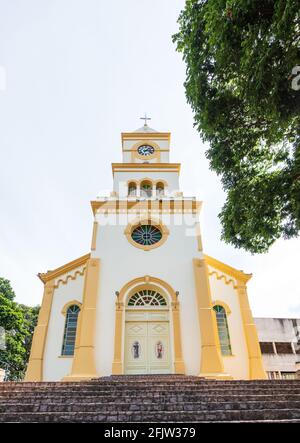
x=147, y=334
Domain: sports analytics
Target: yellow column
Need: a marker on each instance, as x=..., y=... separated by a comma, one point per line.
x=178, y=359
x=117, y=366
x=256, y=368
x=211, y=365
x=84, y=356
x=35, y=366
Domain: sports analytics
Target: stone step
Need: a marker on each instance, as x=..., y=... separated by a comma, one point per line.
x=118, y=407
x=153, y=399
x=147, y=397
x=196, y=380
x=155, y=417
x=146, y=394
x=95, y=385
x=137, y=381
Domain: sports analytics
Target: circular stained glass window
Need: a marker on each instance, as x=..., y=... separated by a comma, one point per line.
x=146, y=235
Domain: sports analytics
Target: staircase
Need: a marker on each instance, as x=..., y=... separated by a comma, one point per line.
x=153, y=398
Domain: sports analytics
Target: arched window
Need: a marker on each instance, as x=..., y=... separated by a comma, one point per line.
x=132, y=189
x=223, y=330
x=146, y=189
x=160, y=189
x=70, y=330
x=147, y=297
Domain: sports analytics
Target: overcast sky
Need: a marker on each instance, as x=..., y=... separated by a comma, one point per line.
x=73, y=75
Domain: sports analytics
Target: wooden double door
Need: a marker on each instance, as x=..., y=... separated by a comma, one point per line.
x=147, y=344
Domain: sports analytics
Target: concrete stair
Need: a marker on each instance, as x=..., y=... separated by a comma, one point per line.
x=153, y=398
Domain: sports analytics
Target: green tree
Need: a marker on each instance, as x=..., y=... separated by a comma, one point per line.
x=18, y=322
x=241, y=57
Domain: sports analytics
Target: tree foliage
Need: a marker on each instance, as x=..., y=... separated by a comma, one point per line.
x=18, y=322
x=240, y=56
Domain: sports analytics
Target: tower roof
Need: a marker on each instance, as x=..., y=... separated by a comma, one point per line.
x=145, y=128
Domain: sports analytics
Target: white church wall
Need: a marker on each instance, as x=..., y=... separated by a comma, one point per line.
x=127, y=158
x=121, y=262
x=55, y=366
x=237, y=364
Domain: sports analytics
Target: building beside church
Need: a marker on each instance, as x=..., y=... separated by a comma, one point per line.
x=280, y=346
x=146, y=299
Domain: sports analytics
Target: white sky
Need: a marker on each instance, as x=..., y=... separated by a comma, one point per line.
x=73, y=75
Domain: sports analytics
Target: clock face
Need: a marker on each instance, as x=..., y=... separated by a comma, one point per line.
x=145, y=150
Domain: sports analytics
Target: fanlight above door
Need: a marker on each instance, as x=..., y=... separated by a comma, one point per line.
x=147, y=297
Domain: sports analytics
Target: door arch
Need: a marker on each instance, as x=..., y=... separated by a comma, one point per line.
x=163, y=288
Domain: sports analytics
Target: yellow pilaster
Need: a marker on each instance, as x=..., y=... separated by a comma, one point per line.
x=256, y=368
x=94, y=236
x=178, y=358
x=117, y=366
x=35, y=366
x=84, y=356
x=211, y=365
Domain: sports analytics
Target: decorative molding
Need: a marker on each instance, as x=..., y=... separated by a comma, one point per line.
x=70, y=277
x=223, y=277
x=158, y=205
x=129, y=167
x=70, y=303
x=223, y=304
x=226, y=269
x=53, y=274
x=145, y=135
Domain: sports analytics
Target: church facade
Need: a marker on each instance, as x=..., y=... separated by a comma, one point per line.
x=146, y=299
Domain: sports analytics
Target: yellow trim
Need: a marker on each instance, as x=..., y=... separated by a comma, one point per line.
x=35, y=366
x=50, y=275
x=148, y=220
x=229, y=270
x=84, y=366
x=70, y=303
x=211, y=365
x=148, y=281
x=160, y=149
x=198, y=236
x=223, y=304
x=166, y=206
x=94, y=236
x=256, y=367
x=129, y=167
x=145, y=135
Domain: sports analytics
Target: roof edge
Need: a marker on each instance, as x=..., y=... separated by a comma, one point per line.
x=52, y=274
x=233, y=272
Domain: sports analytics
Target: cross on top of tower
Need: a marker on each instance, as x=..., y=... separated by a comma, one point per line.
x=145, y=118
